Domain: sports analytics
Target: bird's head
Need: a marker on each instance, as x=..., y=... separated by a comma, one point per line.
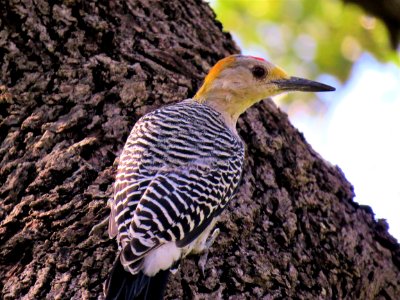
x=237, y=82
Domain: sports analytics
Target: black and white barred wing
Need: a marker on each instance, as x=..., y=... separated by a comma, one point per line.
x=178, y=205
x=179, y=167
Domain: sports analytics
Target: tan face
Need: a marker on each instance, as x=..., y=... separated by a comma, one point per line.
x=247, y=78
x=237, y=82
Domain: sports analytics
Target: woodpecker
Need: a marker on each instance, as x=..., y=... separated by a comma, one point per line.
x=179, y=168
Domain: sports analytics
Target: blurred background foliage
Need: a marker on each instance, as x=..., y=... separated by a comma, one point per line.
x=308, y=38
x=341, y=45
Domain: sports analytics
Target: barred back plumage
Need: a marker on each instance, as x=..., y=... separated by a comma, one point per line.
x=179, y=168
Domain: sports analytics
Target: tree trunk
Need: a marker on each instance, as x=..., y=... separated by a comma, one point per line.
x=75, y=76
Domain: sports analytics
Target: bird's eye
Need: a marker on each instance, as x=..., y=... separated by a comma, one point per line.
x=259, y=72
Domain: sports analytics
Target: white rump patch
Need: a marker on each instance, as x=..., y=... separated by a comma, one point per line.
x=161, y=258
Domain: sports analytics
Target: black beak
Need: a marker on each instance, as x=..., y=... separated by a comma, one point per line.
x=303, y=85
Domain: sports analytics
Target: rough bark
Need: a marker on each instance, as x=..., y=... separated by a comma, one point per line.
x=75, y=76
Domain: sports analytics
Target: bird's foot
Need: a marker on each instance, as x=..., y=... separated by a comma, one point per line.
x=96, y=229
x=175, y=267
x=203, y=258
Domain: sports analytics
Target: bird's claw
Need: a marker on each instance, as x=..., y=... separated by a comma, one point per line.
x=96, y=228
x=211, y=239
x=203, y=258
x=202, y=262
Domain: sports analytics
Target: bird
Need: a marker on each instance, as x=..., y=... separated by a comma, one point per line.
x=180, y=167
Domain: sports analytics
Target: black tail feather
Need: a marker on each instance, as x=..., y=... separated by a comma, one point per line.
x=122, y=285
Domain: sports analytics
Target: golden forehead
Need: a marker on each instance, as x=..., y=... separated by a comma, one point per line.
x=218, y=67
x=214, y=72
